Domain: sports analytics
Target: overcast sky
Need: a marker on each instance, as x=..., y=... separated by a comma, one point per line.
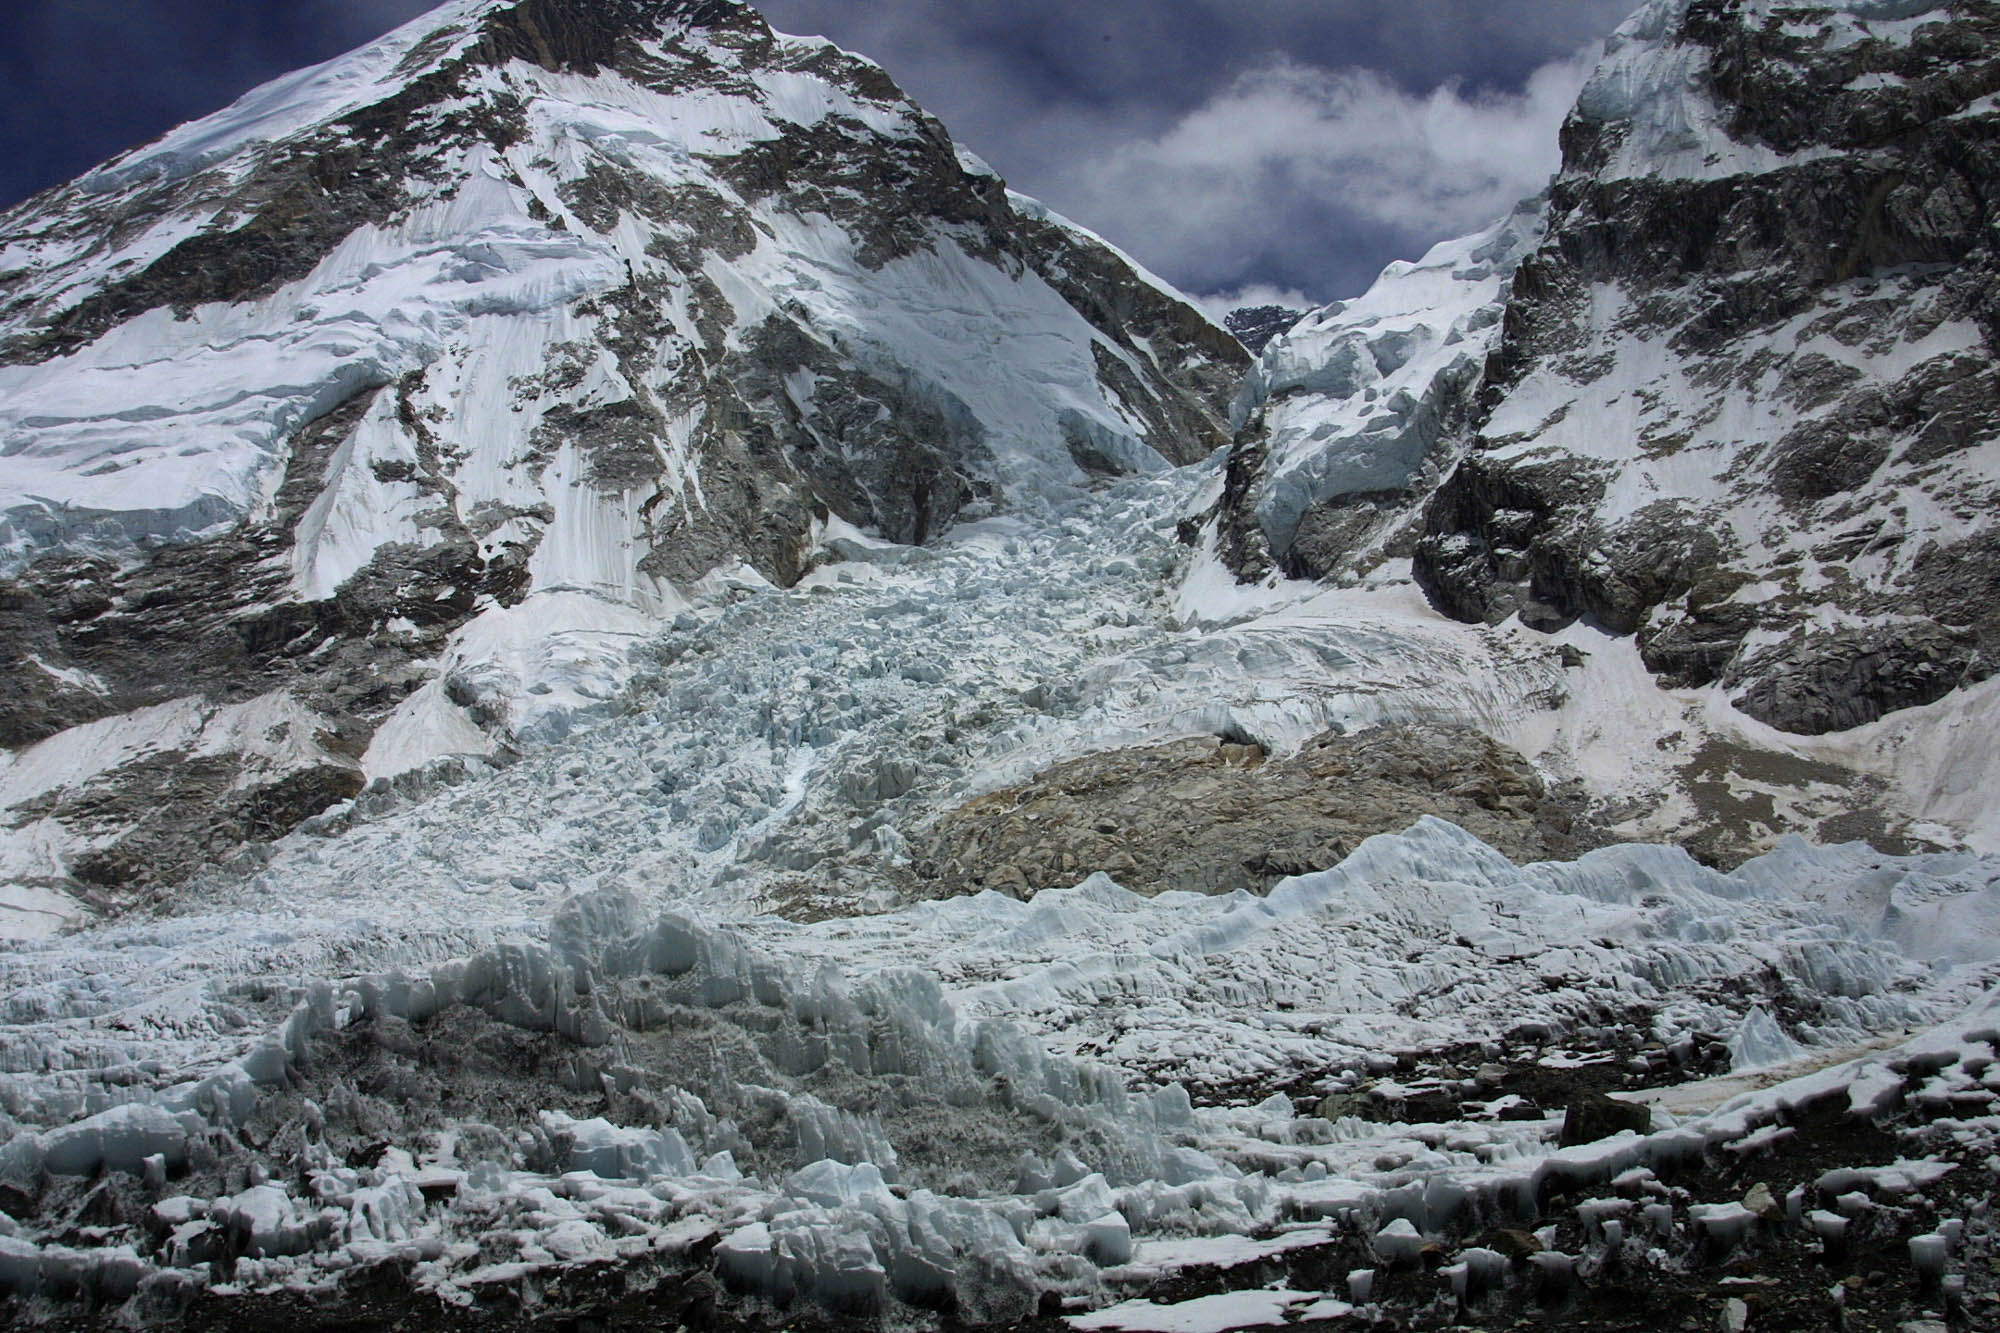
x=1283, y=147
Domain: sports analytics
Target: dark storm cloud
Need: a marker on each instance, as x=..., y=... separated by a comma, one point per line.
x=1169, y=54
x=1288, y=145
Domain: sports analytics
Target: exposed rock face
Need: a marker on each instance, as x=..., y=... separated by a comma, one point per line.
x=1746, y=402
x=1256, y=325
x=1593, y=1116
x=1211, y=816
x=514, y=326
x=1740, y=401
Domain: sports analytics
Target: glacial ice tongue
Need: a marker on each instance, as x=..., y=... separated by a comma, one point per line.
x=539, y=1000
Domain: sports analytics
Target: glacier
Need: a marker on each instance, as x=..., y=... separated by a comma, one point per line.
x=615, y=559
x=977, y=1099
x=417, y=385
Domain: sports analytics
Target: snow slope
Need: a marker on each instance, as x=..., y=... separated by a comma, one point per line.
x=425, y=379
x=1362, y=397
x=171, y=423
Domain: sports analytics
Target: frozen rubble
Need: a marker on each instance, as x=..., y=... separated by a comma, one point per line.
x=499, y=1022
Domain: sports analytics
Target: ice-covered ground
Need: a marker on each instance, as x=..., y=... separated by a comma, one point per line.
x=977, y=1094
x=766, y=726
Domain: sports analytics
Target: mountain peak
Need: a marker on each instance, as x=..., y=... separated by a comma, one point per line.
x=552, y=301
x=270, y=184
x=586, y=35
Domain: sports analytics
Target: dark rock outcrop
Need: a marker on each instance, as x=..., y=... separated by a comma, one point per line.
x=1593, y=1116
x=1831, y=681
x=1255, y=326
x=1804, y=351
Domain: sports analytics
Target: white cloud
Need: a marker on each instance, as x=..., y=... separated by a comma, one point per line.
x=1289, y=157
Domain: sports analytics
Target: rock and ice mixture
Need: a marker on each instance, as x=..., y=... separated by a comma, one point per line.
x=1357, y=406
x=483, y=1035
x=806, y=1115
x=371, y=419
x=685, y=607
x=1728, y=389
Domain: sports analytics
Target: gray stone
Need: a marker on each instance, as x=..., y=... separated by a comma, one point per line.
x=1832, y=681
x=1592, y=1116
x=1216, y=816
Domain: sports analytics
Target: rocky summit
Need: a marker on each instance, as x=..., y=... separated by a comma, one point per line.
x=631, y=695
x=1255, y=326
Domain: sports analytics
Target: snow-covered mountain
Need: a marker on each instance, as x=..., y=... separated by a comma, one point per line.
x=1747, y=408
x=842, y=847
x=1730, y=388
x=1363, y=404
x=371, y=418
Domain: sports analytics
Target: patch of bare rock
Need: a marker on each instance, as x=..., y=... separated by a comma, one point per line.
x=1213, y=815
